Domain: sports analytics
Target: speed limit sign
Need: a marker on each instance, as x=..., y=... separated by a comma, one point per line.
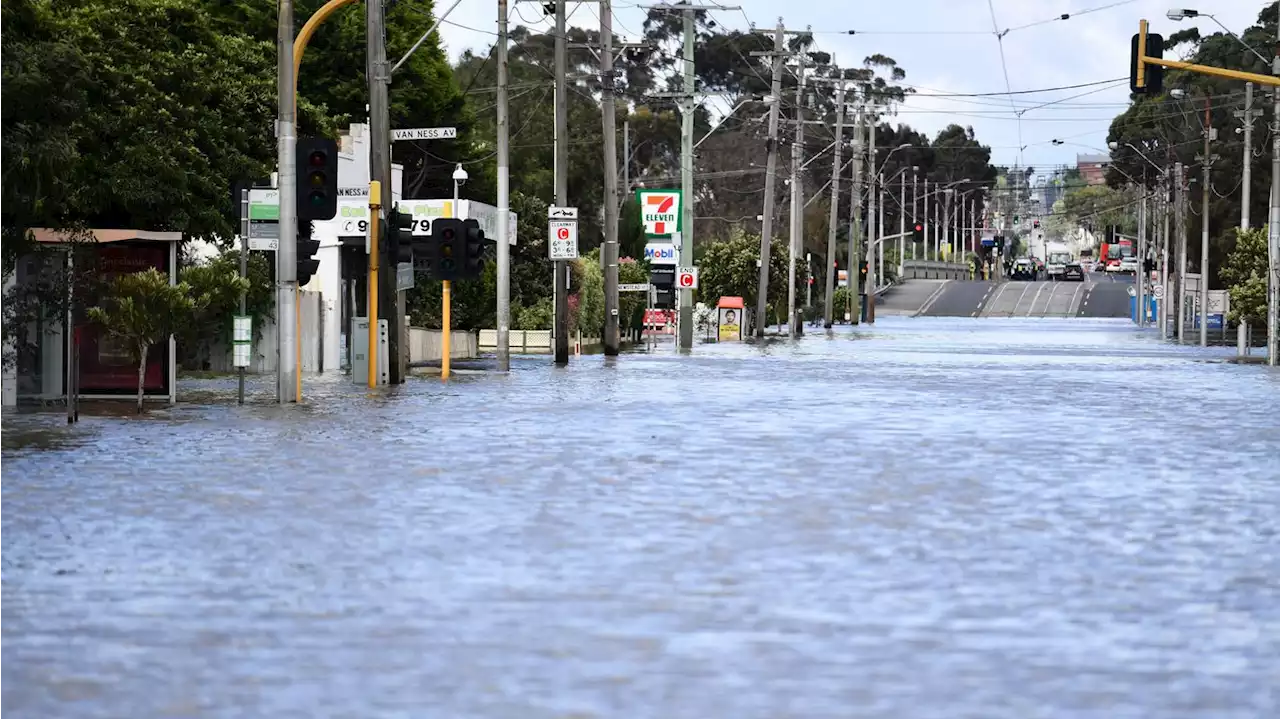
x=1158, y=292
x=687, y=278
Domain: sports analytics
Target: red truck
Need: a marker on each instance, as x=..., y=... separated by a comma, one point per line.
x=1110, y=255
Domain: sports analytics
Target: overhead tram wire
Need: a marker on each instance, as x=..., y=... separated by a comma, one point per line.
x=1004, y=67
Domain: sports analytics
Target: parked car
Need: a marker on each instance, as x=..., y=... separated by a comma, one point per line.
x=1129, y=265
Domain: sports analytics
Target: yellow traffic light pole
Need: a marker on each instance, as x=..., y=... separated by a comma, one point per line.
x=1143, y=60
x=375, y=204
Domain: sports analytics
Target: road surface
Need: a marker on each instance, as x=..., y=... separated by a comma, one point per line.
x=931, y=517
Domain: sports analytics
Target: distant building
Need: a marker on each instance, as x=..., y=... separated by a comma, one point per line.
x=1093, y=168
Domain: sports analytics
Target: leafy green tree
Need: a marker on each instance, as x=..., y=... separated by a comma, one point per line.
x=729, y=269
x=215, y=287
x=1245, y=275
x=589, y=318
x=142, y=309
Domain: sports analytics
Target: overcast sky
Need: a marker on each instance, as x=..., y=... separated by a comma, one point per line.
x=953, y=50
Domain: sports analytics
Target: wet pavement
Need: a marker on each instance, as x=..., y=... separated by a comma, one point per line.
x=937, y=517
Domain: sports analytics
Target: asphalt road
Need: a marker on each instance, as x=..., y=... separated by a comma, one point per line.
x=960, y=299
x=907, y=298
x=1100, y=296
x=1105, y=296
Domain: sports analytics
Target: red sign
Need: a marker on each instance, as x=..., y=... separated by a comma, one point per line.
x=659, y=318
x=562, y=233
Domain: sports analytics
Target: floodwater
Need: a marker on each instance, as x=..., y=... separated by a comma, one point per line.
x=996, y=518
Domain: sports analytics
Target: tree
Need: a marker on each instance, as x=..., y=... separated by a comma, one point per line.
x=216, y=286
x=1245, y=275
x=142, y=309
x=728, y=269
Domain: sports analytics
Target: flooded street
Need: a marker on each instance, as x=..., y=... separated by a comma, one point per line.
x=934, y=517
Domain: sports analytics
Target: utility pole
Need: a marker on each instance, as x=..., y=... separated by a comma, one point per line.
x=1180, y=229
x=561, y=142
x=626, y=160
x=687, y=105
x=287, y=245
x=915, y=198
x=504, y=200
x=610, y=251
x=379, y=76
x=797, y=201
x=833, y=217
x=902, y=226
x=855, y=220
x=872, y=177
x=1206, y=163
x=1273, y=230
x=1247, y=115
x=1138, y=276
x=770, y=179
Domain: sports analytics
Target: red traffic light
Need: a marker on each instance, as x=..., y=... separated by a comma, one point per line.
x=919, y=227
x=317, y=159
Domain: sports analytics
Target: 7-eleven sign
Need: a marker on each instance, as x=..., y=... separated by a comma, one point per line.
x=659, y=211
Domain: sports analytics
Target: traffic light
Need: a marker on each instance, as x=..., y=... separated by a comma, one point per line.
x=473, y=250
x=1035, y=224
x=917, y=231
x=317, y=179
x=1111, y=235
x=1145, y=78
x=307, y=247
x=448, y=247
x=999, y=244
x=399, y=233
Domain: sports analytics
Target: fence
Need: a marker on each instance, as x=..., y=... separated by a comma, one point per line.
x=427, y=345
x=533, y=341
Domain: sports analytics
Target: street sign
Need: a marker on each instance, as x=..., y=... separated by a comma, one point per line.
x=1219, y=302
x=404, y=276
x=242, y=340
x=1132, y=292
x=562, y=240
x=562, y=213
x=687, y=278
x=1157, y=291
x=635, y=287
x=425, y=133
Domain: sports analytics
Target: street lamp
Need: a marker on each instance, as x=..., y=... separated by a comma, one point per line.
x=1179, y=14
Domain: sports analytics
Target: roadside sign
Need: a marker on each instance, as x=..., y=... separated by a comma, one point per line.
x=660, y=253
x=687, y=278
x=404, y=276
x=562, y=213
x=242, y=340
x=1219, y=302
x=264, y=219
x=562, y=240
x=634, y=287
x=1132, y=292
x=659, y=211
x=425, y=133
x=1157, y=291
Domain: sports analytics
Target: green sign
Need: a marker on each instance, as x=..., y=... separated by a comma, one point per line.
x=264, y=205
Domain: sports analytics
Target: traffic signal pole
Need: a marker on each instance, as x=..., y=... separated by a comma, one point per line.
x=375, y=209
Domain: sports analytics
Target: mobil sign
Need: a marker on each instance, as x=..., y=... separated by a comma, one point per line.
x=660, y=253
x=659, y=211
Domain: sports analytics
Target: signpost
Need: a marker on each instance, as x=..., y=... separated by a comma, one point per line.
x=636, y=287
x=562, y=233
x=687, y=278
x=425, y=133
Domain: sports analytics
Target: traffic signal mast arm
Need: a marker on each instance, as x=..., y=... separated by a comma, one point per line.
x=1147, y=49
